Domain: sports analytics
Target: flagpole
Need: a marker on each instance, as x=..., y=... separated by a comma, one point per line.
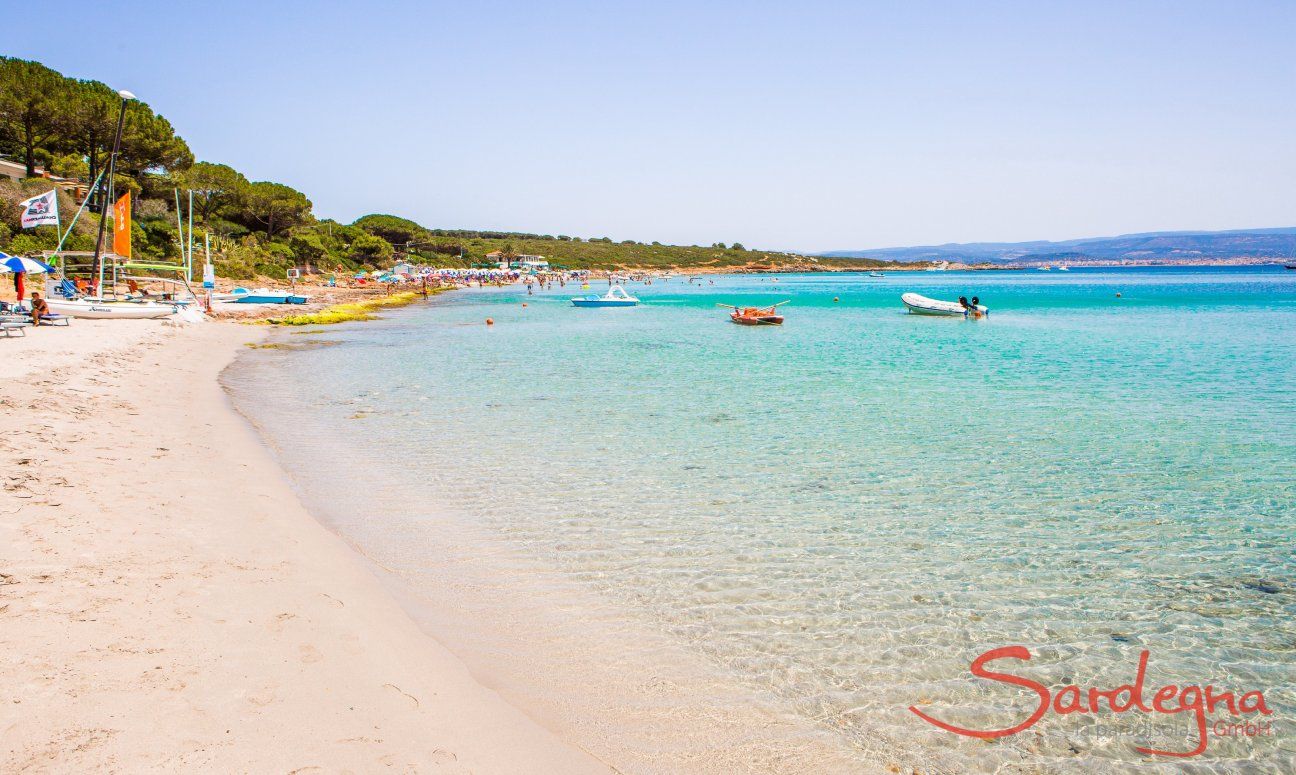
x=179, y=224
x=189, y=255
x=207, y=266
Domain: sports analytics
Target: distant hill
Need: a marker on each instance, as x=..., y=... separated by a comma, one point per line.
x=1151, y=247
x=463, y=247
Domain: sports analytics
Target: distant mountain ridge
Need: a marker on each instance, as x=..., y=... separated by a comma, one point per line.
x=1149, y=247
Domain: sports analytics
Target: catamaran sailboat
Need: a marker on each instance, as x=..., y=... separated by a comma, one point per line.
x=99, y=309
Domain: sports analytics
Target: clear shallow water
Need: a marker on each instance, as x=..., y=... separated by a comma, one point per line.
x=845, y=511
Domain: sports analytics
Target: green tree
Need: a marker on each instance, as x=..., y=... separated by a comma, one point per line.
x=307, y=247
x=395, y=230
x=371, y=249
x=214, y=186
x=88, y=122
x=275, y=206
x=31, y=99
x=149, y=142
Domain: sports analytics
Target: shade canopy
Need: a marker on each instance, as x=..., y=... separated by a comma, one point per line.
x=10, y=263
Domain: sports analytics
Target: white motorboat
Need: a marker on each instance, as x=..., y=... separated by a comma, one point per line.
x=921, y=305
x=97, y=309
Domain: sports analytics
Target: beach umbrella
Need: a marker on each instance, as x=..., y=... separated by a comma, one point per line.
x=20, y=266
x=23, y=264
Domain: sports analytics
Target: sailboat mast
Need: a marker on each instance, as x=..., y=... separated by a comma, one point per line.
x=97, y=266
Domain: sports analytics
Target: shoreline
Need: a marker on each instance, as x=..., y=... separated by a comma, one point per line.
x=601, y=677
x=167, y=602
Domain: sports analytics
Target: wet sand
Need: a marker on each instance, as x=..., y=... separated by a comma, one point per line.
x=166, y=603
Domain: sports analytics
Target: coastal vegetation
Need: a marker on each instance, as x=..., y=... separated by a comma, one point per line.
x=60, y=126
x=350, y=311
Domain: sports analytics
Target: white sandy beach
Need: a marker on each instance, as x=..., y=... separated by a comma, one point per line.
x=167, y=604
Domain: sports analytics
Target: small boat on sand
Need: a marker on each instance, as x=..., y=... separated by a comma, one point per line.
x=921, y=305
x=756, y=316
x=615, y=297
x=94, y=309
x=262, y=296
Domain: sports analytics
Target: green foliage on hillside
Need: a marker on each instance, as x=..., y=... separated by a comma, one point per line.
x=444, y=247
x=66, y=127
x=599, y=253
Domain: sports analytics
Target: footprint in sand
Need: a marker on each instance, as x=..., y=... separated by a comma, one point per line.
x=276, y=625
x=309, y=653
x=263, y=696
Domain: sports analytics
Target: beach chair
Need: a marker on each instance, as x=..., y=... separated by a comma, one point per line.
x=11, y=327
x=13, y=313
x=67, y=289
x=55, y=319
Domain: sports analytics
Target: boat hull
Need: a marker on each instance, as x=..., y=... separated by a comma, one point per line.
x=602, y=303
x=261, y=296
x=270, y=299
x=101, y=310
x=760, y=320
x=921, y=305
x=937, y=313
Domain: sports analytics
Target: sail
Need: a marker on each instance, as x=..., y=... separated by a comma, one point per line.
x=122, y=226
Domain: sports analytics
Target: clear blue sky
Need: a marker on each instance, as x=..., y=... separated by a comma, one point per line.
x=811, y=125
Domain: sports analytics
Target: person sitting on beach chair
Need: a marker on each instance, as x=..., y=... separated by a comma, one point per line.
x=41, y=315
x=40, y=310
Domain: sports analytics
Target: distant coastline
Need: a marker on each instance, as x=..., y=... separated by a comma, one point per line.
x=1239, y=247
x=847, y=265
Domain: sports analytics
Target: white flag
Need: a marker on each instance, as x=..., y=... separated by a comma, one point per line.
x=40, y=210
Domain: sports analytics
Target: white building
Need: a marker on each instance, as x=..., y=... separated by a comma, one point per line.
x=522, y=261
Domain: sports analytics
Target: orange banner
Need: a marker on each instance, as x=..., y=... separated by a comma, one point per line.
x=122, y=226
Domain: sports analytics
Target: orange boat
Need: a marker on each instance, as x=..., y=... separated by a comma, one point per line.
x=756, y=316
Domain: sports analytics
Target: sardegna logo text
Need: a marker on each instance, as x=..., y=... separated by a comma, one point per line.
x=1170, y=700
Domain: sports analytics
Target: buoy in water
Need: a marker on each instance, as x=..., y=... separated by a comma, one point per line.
x=834, y=299
x=490, y=321
x=1118, y=294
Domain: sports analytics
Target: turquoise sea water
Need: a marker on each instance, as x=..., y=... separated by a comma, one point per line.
x=844, y=511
